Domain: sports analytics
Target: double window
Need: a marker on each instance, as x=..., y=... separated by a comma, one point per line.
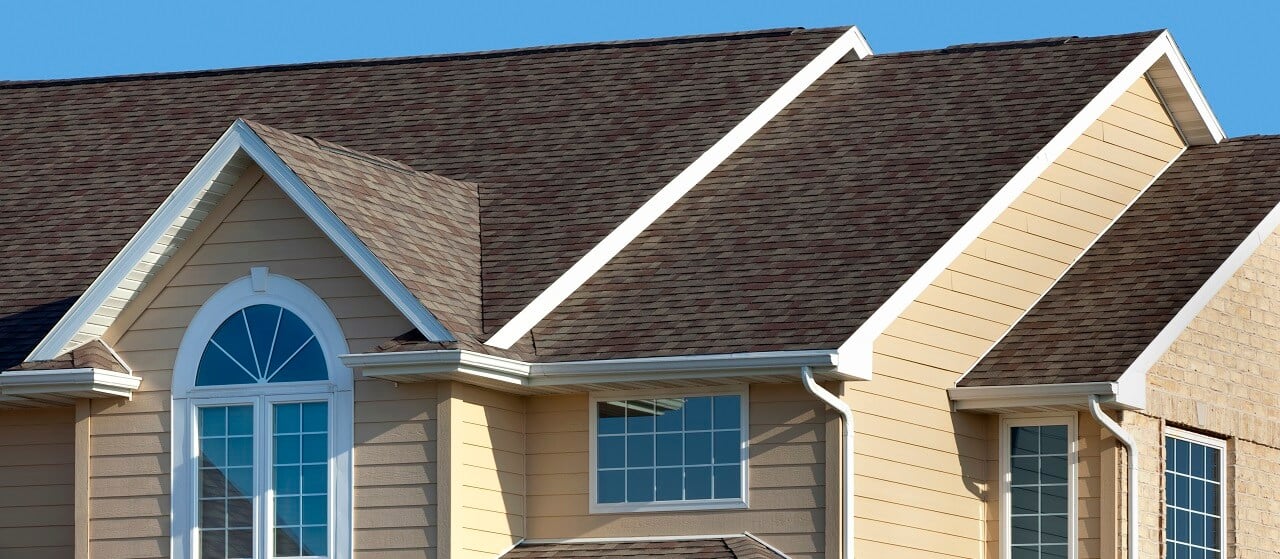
x=669, y=451
x=262, y=432
x=1039, y=491
x=1193, y=495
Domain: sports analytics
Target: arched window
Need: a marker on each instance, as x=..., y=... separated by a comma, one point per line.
x=262, y=426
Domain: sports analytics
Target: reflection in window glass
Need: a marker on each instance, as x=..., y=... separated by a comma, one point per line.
x=259, y=344
x=1193, y=498
x=300, y=479
x=1038, y=492
x=226, y=482
x=669, y=449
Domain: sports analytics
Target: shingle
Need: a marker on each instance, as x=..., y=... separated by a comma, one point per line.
x=796, y=239
x=1113, y=302
x=735, y=547
x=564, y=141
x=91, y=355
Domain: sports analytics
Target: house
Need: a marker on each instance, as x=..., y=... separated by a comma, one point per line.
x=762, y=294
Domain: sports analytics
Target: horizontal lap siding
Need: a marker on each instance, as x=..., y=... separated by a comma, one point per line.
x=787, y=476
x=129, y=458
x=488, y=471
x=904, y=416
x=37, y=483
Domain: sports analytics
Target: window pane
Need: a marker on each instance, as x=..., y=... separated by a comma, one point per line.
x=639, y=451
x=1053, y=529
x=697, y=413
x=611, y=418
x=728, y=447
x=697, y=482
x=697, y=448
x=1053, y=439
x=611, y=452
x=315, y=540
x=639, y=416
x=261, y=343
x=225, y=475
x=1026, y=471
x=728, y=412
x=670, y=415
x=1026, y=529
x=1025, y=500
x=288, y=419
x=611, y=486
x=728, y=482
x=315, y=417
x=1026, y=440
x=640, y=485
x=670, y=449
x=1053, y=499
x=670, y=482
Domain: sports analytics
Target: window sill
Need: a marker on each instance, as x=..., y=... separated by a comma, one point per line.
x=673, y=506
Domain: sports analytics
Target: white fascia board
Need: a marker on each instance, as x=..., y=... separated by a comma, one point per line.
x=1031, y=395
x=1192, y=87
x=84, y=382
x=856, y=352
x=694, y=364
x=668, y=195
x=1133, y=381
x=238, y=138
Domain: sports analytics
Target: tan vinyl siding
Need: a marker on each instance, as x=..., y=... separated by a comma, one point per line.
x=904, y=417
x=787, y=476
x=37, y=483
x=394, y=458
x=486, y=476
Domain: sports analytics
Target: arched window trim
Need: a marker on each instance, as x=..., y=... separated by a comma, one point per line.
x=260, y=287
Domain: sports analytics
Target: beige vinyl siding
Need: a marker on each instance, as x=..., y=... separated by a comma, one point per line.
x=394, y=458
x=903, y=414
x=486, y=472
x=37, y=483
x=787, y=476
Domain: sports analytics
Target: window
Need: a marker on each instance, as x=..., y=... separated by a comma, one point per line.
x=1193, y=496
x=1039, y=488
x=669, y=451
x=262, y=431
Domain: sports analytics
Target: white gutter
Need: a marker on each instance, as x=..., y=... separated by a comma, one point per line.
x=1131, y=448
x=846, y=427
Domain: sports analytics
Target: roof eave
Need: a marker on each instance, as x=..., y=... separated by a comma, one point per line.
x=63, y=386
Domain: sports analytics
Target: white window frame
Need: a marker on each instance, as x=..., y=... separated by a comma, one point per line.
x=257, y=288
x=658, y=506
x=1204, y=440
x=1007, y=423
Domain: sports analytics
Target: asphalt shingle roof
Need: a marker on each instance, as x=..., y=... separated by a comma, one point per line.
x=1114, y=301
x=735, y=547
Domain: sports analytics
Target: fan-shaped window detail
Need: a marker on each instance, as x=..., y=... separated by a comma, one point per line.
x=261, y=344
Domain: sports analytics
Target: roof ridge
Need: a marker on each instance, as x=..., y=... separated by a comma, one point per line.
x=438, y=57
x=1021, y=43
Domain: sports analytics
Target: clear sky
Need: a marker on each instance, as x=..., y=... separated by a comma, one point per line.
x=1231, y=46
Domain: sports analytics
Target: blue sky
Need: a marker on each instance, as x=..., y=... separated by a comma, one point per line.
x=1226, y=45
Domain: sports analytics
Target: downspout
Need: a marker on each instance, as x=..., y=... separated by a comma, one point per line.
x=846, y=465
x=1132, y=449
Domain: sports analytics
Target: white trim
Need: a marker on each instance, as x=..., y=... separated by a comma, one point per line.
x=1212, y=442
x=668, y=195
x=635, y=539
x=856, y=352
x=82, y=383
x=770, y=547
x=1134, y=379
x=238, y=138
x=1073, y=482
x=744, y=427
x=1192, y=87
x=337, y=391
x=1028, y=396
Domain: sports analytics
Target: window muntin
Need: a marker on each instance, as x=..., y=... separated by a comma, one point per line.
x=663, y=452
x=261, y=344
x=1193, y=474
x=1039, y=491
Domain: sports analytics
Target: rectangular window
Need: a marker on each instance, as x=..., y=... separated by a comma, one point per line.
x=300, y=478
x=1039, y=488
x=226, y=482
x=1193, y=496
x=669, y=452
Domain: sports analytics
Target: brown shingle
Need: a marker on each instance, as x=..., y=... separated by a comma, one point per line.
x=91, y=355
x=1112, y=303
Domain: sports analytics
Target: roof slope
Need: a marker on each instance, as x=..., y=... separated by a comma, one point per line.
x=737, y=547
x=565, y=141
x=1112, y=303
x=810, y=226
x=425, y=228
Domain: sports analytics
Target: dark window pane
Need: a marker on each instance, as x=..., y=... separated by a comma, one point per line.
x=240, y=420
x=1053, y=529
x=639, y=450
x=1197, y=495
x=240, y=513
x=233, y=340
x=307, y=364
x=728, y=482
x=728, y=447
x=1053, y=439
x=640, y=486
x=697, y=413
x=213, y=453
x=315, y=509
x=1025, y=440
x=670, y=483
x=1184, y=491
x=216, y=368
x=1197, y=530
x=315, y=417
x=1053, y=552
x=1197, y=460
x=287, y=480
x=213, y=422
x=1184, y=456
x=697, y=483
x=697, y=448
x=1026, y=553
x=1053, y=469
x=1211, y=464
x=1053, y=499
x=1170, y=453
x=1183, y=524
x=262, y=329
x=1212, y=499
x=213, y=544
x=728, y=412
x=1212, y=536
x=293, y=334
x=1170, y=488
x=1026, y=471
x=240, y=451
x=288, y=449
x=611, y=418
x=288, y=418
x=287, y=542
x=239, y=482
x=611, y=486
x=315, y=479
x=611, y=452
x=288, y=510
x=315, y=541
x=639, y=416
x=670, y=415
x=1025, y=529
x=1026, y=500
x=315, y=448
x=212, y=483
x=670, y=447
x=213, y=513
